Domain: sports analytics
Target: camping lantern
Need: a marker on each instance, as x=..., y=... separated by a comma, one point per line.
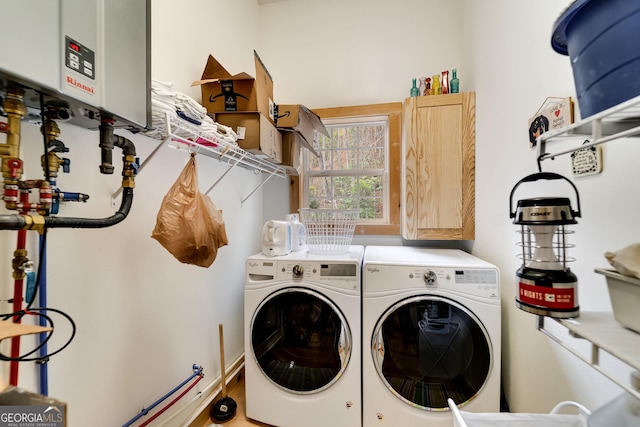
x=545, y=285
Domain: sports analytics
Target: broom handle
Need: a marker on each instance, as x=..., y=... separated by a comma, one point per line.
x=223, y=368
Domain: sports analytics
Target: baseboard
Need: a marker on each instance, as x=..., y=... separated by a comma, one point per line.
x=203, y=412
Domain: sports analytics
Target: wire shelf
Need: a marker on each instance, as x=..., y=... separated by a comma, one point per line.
x=182, y=134
x=620, y=121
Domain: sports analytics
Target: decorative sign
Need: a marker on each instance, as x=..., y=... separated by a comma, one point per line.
x=558, y=115
x=587, y=161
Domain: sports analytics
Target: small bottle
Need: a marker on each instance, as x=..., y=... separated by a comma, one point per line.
x=445, y=82
x=427, y=90
x=423, y=86
x=414, y=89
x=298, y=233
x=436, y=89
x=455, y=83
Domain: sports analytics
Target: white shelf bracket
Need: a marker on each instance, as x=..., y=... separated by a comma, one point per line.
x=593, y=361
x=617, y=122
x=257, y=188
x=231, y=166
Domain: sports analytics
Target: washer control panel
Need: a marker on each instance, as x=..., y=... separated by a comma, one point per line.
x=315, y=270
x=345, y=275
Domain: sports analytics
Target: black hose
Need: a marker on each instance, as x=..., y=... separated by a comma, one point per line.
x=12, y=222
x=19, y=222
x=71, y=222
x=106, y=148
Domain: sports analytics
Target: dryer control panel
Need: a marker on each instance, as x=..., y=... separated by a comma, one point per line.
x=482, y=282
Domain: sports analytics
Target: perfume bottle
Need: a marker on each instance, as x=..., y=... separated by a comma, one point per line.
x=455, y=83
x=445, y=82
x=423, y=86
x=414, y=89
x=436, y=89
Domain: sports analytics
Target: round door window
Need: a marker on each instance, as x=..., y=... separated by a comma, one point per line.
x=427, y=349
x=300, y=340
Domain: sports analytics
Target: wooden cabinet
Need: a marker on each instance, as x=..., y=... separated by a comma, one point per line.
x=438, y=182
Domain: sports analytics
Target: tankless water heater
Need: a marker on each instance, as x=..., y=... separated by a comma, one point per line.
x=90, y=56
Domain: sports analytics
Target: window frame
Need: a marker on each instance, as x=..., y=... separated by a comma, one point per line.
x=394, y=113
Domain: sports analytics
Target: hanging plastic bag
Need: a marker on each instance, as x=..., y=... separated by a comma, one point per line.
x=188, y=224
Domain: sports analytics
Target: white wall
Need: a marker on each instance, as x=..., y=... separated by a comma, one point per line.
x=334, y=53
x=144, y=318
x=502, y=51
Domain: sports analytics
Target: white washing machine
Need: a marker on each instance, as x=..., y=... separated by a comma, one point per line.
x=431, y=331
x=303, y=339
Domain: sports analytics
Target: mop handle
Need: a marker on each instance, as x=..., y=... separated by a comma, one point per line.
x=223, y=367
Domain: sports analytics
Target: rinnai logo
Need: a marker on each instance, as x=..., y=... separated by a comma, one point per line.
x=73, y=82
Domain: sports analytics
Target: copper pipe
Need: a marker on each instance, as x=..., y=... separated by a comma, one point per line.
x=15, y=109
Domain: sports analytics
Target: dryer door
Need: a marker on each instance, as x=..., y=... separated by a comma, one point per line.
x=427, y=349
x=300, y=340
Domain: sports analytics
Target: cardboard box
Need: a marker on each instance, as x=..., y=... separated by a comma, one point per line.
x=299, y=118
x=222, y=91
x=291, y=143
x=255, y=132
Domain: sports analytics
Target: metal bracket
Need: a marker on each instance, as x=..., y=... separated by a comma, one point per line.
x=617, y=122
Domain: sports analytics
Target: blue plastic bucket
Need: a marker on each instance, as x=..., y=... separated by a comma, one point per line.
x=602, y=38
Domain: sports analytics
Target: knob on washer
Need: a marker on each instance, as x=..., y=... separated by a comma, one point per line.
x=430, y=277
x=297, y=270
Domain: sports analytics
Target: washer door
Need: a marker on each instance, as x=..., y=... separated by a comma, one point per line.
x=300, y=340
x=427, y=349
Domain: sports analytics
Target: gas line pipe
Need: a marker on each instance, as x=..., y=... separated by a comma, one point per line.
x=13, y=196
x=12, y=171
x=130, y=167
x=35, y=216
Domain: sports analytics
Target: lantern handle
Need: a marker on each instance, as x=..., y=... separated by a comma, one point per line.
x=547, y=176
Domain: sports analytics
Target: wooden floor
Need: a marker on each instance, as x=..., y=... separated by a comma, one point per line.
x=240, y=418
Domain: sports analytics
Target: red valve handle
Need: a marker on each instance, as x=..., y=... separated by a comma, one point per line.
x=14, y=166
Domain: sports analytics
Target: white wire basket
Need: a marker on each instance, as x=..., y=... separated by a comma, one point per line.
x=329, y=231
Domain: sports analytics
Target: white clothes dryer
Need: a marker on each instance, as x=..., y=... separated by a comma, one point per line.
x=431, y=331
x=303, y=339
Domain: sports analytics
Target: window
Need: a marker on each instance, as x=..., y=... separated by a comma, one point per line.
x=358, y=166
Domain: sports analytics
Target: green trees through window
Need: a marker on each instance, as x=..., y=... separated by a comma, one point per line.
x=351, y=167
